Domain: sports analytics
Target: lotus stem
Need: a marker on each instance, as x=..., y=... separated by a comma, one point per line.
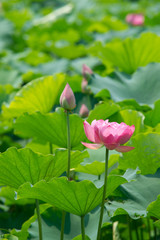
x=68, y=145
x=68, y=171
x=141, y=232
x=82, y=228
x=136, y=229
x=62, y=224
x=155, y=232
x=115, y=231
x=129, y=227
x=39, y=220
x=149, y=228
x=104, y=195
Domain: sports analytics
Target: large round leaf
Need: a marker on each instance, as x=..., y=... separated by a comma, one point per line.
x=23, y=165
x=5, y=92
x=143, y=85
x=121, y=34
x=153, y=117
x=131, y=117
x=23, y=233
x=71, y=51
x=10, y=78
x=96, y=167
x=78, y=198
x=131, y=53
x=51, y=224
x=38, y=95
x=103, y=111
x=52, y=128
x=146, y=154
x=7, y=195
x=55, y=66
x=137, y=195
x=79, y=237
x=154, y=208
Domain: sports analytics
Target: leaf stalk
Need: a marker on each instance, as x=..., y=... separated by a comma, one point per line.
x=68, y=170
x=68, y=145
x=82, y=228
x=104, y=195
x=62, y=224
x=39, y=220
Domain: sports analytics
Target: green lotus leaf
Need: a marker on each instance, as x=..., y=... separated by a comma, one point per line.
x=121, y=34
x=97, y=167
x=78, y=198
x=38, y=95
x=5, y=92
x=146, y=154
x=23, y=165
x=79, y=237
x=52, y=128
x=131, y=53
x=132, y=104
x=8, y=195
x=152, y=118
x=9, y=237
x=10, y=78
x=71, y=35
x=157, y=128
x=103, y=111
x=23, y=233
x=106, y=24
x=136, y=196
x=153, y=208
x=6, y=32
x=41, y=147
x=131, y=117
x=143, y=85
x=19, y=17
x=70, y=51
x=52, y=67
x=51, y=224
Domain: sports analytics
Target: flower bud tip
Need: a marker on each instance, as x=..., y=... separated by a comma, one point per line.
x=67, y=98
x=84, y=111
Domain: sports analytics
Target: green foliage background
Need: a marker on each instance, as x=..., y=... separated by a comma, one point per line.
x=43, y=45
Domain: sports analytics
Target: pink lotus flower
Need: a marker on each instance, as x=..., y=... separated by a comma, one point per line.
x=67, y=98
x=83, y=112
x=135, y=19
x=110, y=134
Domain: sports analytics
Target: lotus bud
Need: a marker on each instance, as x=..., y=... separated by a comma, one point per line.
x=67, y=98
x=86, y=70
x=84, y=85
x=84, y=111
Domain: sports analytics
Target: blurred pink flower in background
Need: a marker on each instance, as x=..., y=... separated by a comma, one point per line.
x=135, y=19
x=84, y=111
x=110, y=134
x=85, y=71
x=67, y=98
x=84, y=85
